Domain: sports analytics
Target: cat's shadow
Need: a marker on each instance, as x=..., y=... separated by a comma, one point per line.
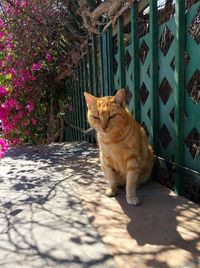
x=155, y=221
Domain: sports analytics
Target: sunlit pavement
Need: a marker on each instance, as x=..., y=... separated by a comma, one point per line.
x=54, y=213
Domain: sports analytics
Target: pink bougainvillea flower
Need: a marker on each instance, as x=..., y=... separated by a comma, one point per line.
x=12, y=71
x=1, y=34
x=10, y=46
x=48, y=57
x=15, y=141
x=10, y=103
x=3, y=147
x=23, y=4
x=18, y=106
x=8, y=58
x=20, y=115
x=25, y=123
x=3, y=91
x=30, y=106
x=1, y=22
x=33, y=121
x=32, y=78
x=36, y=67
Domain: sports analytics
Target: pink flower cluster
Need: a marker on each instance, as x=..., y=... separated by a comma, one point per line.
x=21, y=78
x=3, y=147
x=18, y=111
x=3, y=91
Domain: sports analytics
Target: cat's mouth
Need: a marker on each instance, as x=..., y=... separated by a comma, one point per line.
x=105, y=131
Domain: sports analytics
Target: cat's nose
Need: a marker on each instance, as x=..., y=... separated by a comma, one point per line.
x=104, y=125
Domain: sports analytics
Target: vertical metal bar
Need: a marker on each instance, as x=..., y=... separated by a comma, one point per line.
x=68, y=114
x=74, y=109
x=135, y=50
x=67, y=127
x=71, y=114
x=179, y=88
x=90, y=73
x=121, y=52
x=81, y=94
x=95, y=64
x=109, y=38
x=102, y=66
x=85, y=75
x=90, y=68
x=80, y=99
x=79, y=115
x=77, y=105
x=154, y=71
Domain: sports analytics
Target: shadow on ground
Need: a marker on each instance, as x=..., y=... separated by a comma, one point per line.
x=42, y=220
x=167, y=224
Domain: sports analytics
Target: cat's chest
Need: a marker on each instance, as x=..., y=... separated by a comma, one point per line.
x=116, y=157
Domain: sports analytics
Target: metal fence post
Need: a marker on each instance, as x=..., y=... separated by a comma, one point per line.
x=179, y=87
x=121, y=52
x=135, y=66
x=154, y=72
x=109, y=39
x=94, y=59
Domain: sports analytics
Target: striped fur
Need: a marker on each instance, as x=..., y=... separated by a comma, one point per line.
x=126, y=157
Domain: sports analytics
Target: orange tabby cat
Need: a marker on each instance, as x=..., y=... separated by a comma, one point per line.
x=126, y=157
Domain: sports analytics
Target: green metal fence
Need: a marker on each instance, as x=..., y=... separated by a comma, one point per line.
x=154, y=54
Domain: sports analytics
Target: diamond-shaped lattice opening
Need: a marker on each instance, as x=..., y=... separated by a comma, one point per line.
x=166, y=40
x=193, y=87
x=186, y=61
x=143, y=51
x=143, y=24
x=127, y=59
x=171, y=114
x=172, y=64
x=145, y=129
x=194, y=28
x=186, y=58
x=128, y=96
x=144, y=93
x=192, y=141
x=148, y=71
x=149, y=113
x=165, y=136
x=115, y=65
x=185, y=115
x=165, y=90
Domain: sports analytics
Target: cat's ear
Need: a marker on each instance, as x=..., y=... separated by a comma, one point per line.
x=90, y=100
x=120, y=97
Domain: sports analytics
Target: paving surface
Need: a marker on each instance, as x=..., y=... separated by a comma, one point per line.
x=54, y=213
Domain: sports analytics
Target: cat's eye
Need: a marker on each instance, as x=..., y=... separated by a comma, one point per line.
x=96, y=117
x=112, y=116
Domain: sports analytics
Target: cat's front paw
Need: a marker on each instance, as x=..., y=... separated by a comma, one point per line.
x=111, y=192
x=134, y=201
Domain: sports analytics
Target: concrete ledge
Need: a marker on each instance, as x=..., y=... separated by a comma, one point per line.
x=54, y=213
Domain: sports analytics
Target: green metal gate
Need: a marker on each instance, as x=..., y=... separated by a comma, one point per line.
x=155, y=56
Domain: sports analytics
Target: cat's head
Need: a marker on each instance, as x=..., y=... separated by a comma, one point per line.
x=106, y=114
